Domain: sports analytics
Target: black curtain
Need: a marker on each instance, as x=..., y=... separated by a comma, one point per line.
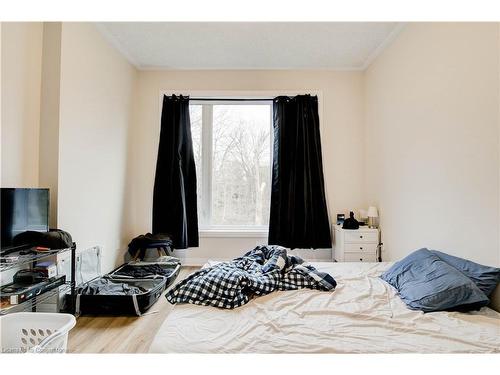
x=299, y=216
x=174, y=197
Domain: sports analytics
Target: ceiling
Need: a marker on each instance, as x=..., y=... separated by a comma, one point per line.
x=250, y=45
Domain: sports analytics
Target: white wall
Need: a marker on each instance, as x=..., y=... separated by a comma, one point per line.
x=341, y=127
x=48, y=160
x=427, y=110
x=66, y=81
x=96, y=90
x=20, y=115
x=341, y=130
x=432, y=140
x=1, y=127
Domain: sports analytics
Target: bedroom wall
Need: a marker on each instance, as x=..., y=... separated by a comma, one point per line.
x=20, y=118
x=1, y=104
x=97, y=85
x=48, y=160
x=426, y=110
x=341, y=130
x=498, y=51
x=432, y=140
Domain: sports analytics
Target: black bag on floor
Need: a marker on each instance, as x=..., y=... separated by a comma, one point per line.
x=122, y=293
x=149, y=241
x=106, y=296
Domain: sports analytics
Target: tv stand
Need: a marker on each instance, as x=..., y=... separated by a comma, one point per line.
x=16, y=249
x=19, y=261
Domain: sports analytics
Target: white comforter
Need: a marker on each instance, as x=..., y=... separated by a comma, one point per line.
x=362, y=315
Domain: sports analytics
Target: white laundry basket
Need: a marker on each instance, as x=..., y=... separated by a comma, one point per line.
x=35, y=332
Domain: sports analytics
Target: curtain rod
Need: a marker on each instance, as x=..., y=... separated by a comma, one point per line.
x=234, y=99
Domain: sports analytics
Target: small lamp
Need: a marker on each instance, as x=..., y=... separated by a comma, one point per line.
x=363, y=215
x=372, y=215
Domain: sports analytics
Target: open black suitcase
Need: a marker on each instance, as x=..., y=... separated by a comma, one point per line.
x=119, y=294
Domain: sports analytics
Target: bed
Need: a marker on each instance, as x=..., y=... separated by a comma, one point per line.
x=363, y=315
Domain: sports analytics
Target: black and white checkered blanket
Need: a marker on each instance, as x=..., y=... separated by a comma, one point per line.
x=260, y=271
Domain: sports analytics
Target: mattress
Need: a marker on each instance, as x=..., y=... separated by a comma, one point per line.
x=363, y=315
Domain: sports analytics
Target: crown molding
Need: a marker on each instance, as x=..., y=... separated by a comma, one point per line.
x=110, y=38
x=382, y=46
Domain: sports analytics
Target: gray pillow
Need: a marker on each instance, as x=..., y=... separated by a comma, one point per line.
x=427, y=283
x=486, y=278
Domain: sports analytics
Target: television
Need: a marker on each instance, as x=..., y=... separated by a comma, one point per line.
x=22, y=210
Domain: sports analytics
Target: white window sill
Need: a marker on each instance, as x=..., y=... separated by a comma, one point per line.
x=233, y=233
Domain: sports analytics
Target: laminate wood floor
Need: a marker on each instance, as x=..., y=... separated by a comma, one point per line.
x=121, y=334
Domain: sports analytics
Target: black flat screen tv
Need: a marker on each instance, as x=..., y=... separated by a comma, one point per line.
x=22, y=210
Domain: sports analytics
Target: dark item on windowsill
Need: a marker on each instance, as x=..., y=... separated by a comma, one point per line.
x=350, y=222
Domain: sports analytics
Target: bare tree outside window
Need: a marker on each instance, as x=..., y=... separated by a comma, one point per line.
x=195, y=113
x=241, y=162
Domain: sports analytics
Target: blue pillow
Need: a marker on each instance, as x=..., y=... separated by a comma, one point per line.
x=486, y=278
x=425, y=282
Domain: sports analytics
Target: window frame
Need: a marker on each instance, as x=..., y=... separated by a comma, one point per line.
x=241, y=94
x=205, y=229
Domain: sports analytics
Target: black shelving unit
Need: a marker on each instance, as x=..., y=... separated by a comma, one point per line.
x=68, y=289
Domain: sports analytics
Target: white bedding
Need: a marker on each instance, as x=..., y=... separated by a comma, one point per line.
x=362, y=315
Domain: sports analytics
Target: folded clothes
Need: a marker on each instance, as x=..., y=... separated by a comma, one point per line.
x=168, y=259
x=142, y=271
x=105, y=286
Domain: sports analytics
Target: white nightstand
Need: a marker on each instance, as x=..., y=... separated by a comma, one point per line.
x=355, y=245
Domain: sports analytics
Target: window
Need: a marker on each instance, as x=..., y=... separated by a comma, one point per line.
x=232, y=150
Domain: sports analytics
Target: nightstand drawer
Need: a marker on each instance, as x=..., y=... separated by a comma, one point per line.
x=357, y=237
x=365, y=248
x=360, y=257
